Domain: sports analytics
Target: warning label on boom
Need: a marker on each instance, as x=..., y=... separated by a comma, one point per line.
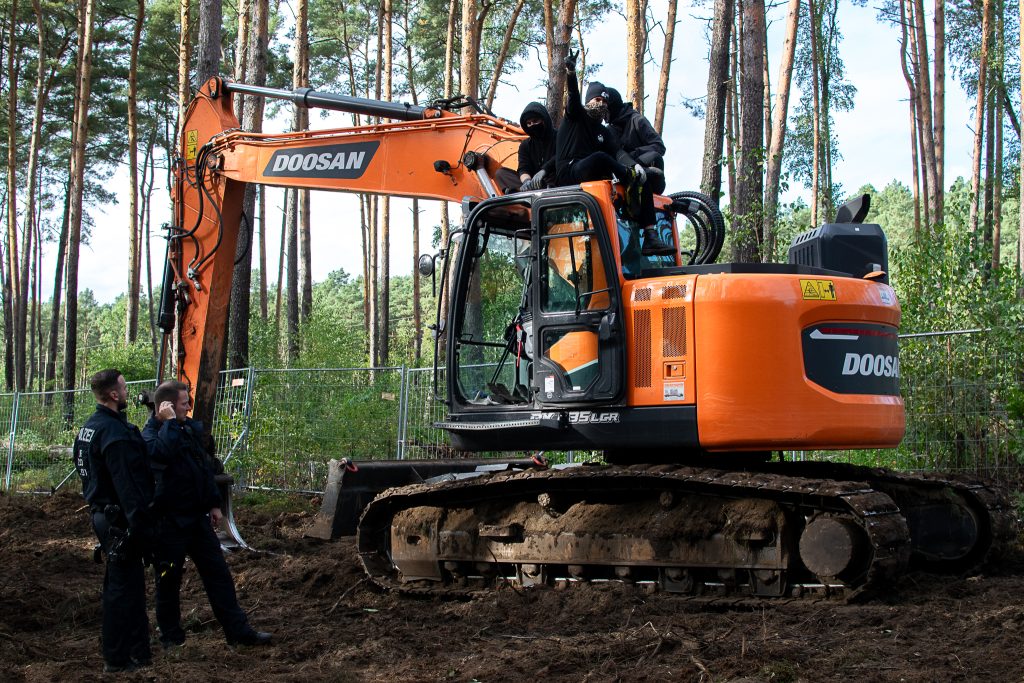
x=818, y=290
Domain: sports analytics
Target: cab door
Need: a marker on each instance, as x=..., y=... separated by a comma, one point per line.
x=577, y=335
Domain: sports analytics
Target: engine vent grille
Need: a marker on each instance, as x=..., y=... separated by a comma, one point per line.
x=674, y=292
x=642, y=347
x=642, y=294
x=673, y=332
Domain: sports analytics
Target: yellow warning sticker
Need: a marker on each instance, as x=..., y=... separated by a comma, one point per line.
x=818, y=290
x=191, y=142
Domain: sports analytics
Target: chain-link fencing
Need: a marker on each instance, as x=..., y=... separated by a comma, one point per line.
x=277, y=428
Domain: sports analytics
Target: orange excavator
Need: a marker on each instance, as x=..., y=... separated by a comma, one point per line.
x=693, y=378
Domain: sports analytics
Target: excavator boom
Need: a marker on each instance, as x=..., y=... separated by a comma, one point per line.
x=431, y=153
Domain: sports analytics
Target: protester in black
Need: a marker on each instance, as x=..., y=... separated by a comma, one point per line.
x=536, y=168
x=110, y=458
x=639, y=139
x=587, y=150
x=188, y=504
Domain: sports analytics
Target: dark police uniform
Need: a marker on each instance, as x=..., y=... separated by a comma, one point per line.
x=185, y=494
x=110, y=457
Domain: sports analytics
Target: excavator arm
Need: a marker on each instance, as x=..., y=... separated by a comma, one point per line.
x=429, y=152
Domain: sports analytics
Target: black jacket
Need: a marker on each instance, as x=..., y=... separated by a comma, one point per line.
x=579, y=136
x=538, y=151
x=110, y=458
x=183, y=471
x=635, y=132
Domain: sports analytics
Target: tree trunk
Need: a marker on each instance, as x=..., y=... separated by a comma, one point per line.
x=926, y=210
x=473, y=16
x=17, y=285
x=449, y=46
x=300, y=79
x=506, y=42
x=134, y=246
x=748, y=204
x=385, y=226
x=208, y=58
x=50, y=375
x=718, y=82
x=979, y=118
x=997, y=189
x=911, y=100
x=778, y=138
x=242, y=47
x=636, y=48
x=939, y=112
x=1020, y=170
x=767, y=108
x=924, y=94
x=293, y=277
x=280, y=266
x=264, y=310
x=42, y=91
x=814, y=22
x=666, y=66
x=239, y=308
x=417, y=321
x=184, y=55
x=80, y=132
x=562, y=34
x=990, y=111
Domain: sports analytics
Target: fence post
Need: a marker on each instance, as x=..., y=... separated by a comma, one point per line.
x=10, y=441
x=403, y=407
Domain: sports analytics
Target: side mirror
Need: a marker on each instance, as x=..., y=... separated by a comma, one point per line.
x=425, y=264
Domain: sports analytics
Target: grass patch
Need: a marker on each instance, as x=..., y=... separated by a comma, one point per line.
x=272, y=503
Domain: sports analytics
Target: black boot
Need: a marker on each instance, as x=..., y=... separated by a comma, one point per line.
x=653, y=246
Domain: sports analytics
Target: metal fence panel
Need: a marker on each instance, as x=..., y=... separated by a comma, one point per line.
x=301, y=418
x=964, y=395
x=44, y=425
x=421, y=439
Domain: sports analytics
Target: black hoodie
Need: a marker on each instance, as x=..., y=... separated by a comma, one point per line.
x=537, y=151
x=635, y=132
x=579, y=136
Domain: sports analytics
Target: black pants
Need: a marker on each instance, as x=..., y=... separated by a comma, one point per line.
x=125, y=625
x=196, y=539
x=602, y=166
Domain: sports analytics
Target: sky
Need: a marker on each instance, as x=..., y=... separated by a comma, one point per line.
x=873, y=140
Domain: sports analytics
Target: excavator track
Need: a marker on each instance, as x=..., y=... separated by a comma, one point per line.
x=975, y=517
x=708, y=534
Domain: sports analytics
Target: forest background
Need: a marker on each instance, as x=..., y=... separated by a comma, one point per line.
x=751, y=99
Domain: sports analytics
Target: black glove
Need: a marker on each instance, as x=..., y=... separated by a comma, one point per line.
x=570, y=61
x=534, y=183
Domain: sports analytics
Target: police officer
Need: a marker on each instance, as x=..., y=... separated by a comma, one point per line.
x=110, y=457
x=188, y=504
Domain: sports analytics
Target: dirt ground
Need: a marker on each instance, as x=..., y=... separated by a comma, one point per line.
x=331, y=625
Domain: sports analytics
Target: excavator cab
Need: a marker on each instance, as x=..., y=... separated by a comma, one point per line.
x=535, y=313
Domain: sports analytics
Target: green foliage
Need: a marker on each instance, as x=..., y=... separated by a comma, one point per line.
x=135, y=361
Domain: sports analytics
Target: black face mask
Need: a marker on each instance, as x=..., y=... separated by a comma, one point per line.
x=598, y=112
x=534, y=128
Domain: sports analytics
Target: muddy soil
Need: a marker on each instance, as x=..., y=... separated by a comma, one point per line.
x=331, y=625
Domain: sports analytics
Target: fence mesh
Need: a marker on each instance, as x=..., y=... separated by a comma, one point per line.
x=420, y=438
x=43, y=429
x=964, y=397
x=277, y=429
x=300, y=419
